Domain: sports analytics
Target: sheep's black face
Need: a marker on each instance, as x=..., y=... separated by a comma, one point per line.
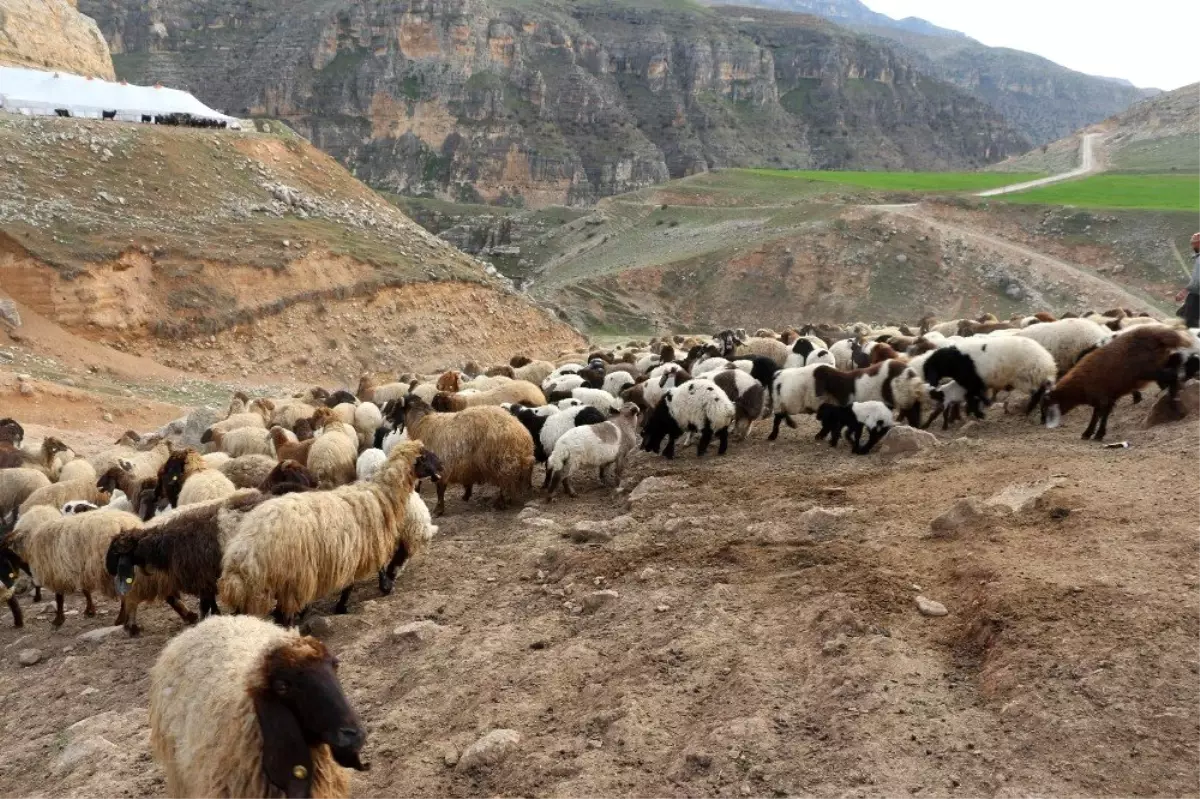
x=8, y=569
x=428, y=466
x=303, y=679
x=170, y=481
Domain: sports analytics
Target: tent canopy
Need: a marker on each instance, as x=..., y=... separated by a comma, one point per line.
x=30, y=91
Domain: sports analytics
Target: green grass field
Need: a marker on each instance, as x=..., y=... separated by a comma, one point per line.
x=906, y=181
x=1153, y=192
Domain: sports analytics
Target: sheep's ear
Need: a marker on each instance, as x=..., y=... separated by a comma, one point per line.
x=287, y=763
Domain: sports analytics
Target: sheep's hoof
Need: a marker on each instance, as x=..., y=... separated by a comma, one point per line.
x=385, y=586
x=58, y=621
x=133, y=630
x=89, y=612
x=191, y=618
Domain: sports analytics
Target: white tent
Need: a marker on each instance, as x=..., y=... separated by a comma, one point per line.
x=33, y=92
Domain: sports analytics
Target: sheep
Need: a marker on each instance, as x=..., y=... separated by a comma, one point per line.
x=217, y=460
x=747, y=395
x=143, y=464
x=950, y=398
x=77, y=469
x=657, y=386
x=78, y=506
x=11, y=432
x=177, y=553
x=1146, y=353
x=369, y=462
x=859, y=385
x=515, y=391
x=546, y=430
x=258, y=415
x=291, y=414
x=66, y=553
x=370, y=391
x=44, y=458
x=872, y=416
x=288, y=477
x=240, y=707
x=290, y=450
x=605, y=444
x=533, y=372
x=244, y=441
x=697, y=406
x=557, y=387
x=9, y=571
x=237, y=404
x=1001, y=364
x=599, y=399
x=17, y=485
x=616, y=382
x=805, y=351
x=794, y=392
x=478, y=445
x=140, y=494
x=367, y=419
x=289, y=551
x=1067, y=340
x=57, y=494
x=333, y=456
x=844, y=353
x=248, y=471
x=186, y=479
x=771, y=348
x=482, y=383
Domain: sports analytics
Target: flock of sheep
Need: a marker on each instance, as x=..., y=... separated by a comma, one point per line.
x=298, y=498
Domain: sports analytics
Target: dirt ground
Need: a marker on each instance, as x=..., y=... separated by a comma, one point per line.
x=745, y=653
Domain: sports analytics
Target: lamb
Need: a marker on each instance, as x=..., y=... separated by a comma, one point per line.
x=697, y=406
x=285, y=726
x=244, y=441
x=248, y=471
x=558, y=424
x=514, y=391
x=616, y=382
x=872, y=416
x=176, y=553
x=290, y=551
x=657, y=386
x=16, y=486
x=57, y=494
x=186, y=479
x=1146, y=353
x=478, y=445
x=859, y=385
x=950, y=397
x=66, y=553
x=794, y=392
x=1002, y=364
x=805, y=352
x=747, y=395
x=605, y=444
x=77, y=469
x=1067, y=340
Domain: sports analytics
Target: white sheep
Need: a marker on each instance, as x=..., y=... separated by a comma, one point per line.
x=1067, y=340
x=369, y=462
x=599, y=399
x=242, y=707
x=616, y=382
x=794, y=392
x=605, y=445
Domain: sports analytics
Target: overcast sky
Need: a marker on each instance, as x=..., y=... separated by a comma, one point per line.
x=1150, y=42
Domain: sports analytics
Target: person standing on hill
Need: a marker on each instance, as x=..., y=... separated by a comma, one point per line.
x=1191, y=295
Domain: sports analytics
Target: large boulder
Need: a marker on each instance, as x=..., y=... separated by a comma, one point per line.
x=1163, y=410
x=905, y=440
x=965, y=515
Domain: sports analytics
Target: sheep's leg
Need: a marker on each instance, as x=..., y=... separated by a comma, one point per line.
x=604, y=475
x=932, y=416
x=1137, y=397
x=1091, y=428
x=18, y=617
x=208, y=606
x=549, y=475
x=181, y=609
x=340, y=607
x=37, y=589
x=723, y=438
x=669, y=452
x=128, y=618
x=570, y=489
x=705, y=439
x=467, y=489
x=89, y=609
x=59, y=616
x=555, y=478
x=387, y=575
x=441, y=495
x=1035, y=400
x=779, y=417
x=1100, y=433
x=912, y=415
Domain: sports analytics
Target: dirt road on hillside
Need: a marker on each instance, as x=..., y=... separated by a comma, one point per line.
x=1088, y=163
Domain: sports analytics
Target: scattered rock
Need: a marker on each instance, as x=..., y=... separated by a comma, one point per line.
x=1019, y=497
x=29, y=657
x=902, y=440
x=101, y=634
x=820, y=523
x=489, y=750
x=588, y=531
x=541, y=521
x=527, y=512
x=1163, y=410
x=650, y=485
x=970, y=428
x=661, y=608
x=647, y=573
x=450, y=756
x=930, y=608
x=597, y=599
x=901, y=258
x=26, y=390
x=415, y=633
x=965, y=514
x=94, y=748
x=107, y=417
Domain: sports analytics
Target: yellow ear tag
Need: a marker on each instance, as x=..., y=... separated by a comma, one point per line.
x=129, y=579
x=300, y=772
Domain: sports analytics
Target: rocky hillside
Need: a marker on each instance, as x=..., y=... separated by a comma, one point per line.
x=1043, y=100
x=230, y=251
x=555, y=101
x=52, y=34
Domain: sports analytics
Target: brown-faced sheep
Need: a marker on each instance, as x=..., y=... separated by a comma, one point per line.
x=44, y=458
x=186, y=479
x=66, y=553
x=140, y=492
x=288, y=477
x=285, y=449
x=478, y=445
x=514, y=391
x=285, y=726
x=290, y=551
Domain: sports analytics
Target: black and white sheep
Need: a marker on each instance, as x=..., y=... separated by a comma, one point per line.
x=605, y=445
x=696, y=406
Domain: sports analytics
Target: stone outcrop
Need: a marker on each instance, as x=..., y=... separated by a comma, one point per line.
x=50, y=35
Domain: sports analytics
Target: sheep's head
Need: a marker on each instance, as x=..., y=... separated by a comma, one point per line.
x=443, y=402
x=112, y=479
x=449, y=382
x=517, y=361
x=501, y=371
x=263, y=407
x=289, y=473
x=472, y=369
x=52, y=446
x=119, y=560
x=340, y=397
x=428, y=466
x=11, y=432
x=366, y=385
x=321, y=417
x=300, y=704
x=174, y=472
x=303, y=429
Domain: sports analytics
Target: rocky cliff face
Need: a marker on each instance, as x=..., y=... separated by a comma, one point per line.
x=554, y=102
x=52, y=34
